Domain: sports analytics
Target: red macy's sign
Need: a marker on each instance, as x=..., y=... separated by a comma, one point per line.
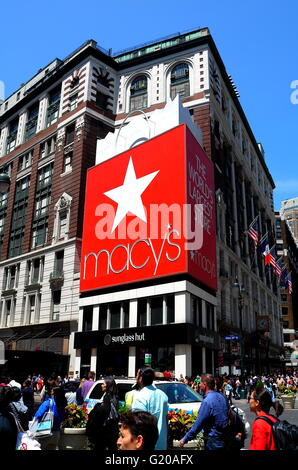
x=149, y=213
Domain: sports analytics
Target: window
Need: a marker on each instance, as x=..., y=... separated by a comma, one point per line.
x=59, y=261
x=197, y=310
x=67, y=162
x=63, y=222
x=48, y=147
x=19, y=216
x=285, y=324
x=42, y=204
x=12, y=135
x=87, y=318
x=73, y=101
x=25, y=161
x=142, y=312
x=103, y=80
x=31, y=124
x=69, y=134
x=75, y=82
x=284, y=297
x=39, y=233
x=34, y=271
x=102, y=100
x=284, y=311
x=56, y=301
x=210, y=316
x=287, y=338
x=179, y=81
x=115, y=311
x=3, y=213
x=11, y=277
x=103, y=315
x=170, y=302
x=7, y=312
x=125, y=308
x=53, y=106
x=156, y=307
x=31, y=309
x=138, y=93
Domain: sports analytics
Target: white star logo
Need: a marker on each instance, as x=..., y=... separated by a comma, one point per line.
x=128, y=196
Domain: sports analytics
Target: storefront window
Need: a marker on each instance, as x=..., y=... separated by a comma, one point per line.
x=156, y=305
x=87, y=318
x=142, y=312
x=103, y=309
x=115, y=310
x=210, y=316
x=125, y=306
x=196, y=305
x=170, y=300
x=162, y=358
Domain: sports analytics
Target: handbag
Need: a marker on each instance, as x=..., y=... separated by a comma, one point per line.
x=44, y=428
x=24, y=440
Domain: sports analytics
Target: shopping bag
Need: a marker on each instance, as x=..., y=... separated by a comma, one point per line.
x=25, y=440
x=44, y=428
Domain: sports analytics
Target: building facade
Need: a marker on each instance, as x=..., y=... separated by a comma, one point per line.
x=49, y=130
x=287, y=248
x=289, y=212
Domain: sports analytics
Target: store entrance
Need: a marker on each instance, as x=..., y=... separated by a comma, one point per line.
x=161, y=358
x=112, y=362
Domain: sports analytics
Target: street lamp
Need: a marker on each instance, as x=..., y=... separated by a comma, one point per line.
x=4, y=180
x=241, y=290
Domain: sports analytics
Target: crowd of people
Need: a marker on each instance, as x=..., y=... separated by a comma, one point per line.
x=145, y=425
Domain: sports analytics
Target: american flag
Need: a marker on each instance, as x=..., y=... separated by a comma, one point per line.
x=253, y=231
x=290, y=287
x=283, y=276
x=277, y=267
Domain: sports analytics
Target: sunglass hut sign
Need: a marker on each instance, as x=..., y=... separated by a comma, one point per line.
x=149, y=212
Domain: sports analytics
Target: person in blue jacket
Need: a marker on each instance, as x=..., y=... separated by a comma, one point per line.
x=212, y=417
x=57, y=402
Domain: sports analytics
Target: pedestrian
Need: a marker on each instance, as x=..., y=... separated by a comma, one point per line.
x=88, y=384
x=262, y=435
x=13, y=383
x=18, y=409
x=79, y=397
x=213, y=417
x=228, y=389
x=8, y=427
x=57, y=402
x=130, y=395
x=102, y=426
x=28, y=397
x=71, y=394
x=138, y=431
x=154, y=401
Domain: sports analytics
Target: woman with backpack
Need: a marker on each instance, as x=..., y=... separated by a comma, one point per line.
x=260, y=403
x=102, y=426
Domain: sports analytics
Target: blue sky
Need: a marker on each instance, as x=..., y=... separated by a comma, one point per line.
x=258, y=41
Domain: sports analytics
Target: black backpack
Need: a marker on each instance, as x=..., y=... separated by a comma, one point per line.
x=285, y=435
x=235, y=432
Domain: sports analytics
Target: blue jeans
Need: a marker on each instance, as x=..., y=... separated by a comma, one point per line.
x=214, y=443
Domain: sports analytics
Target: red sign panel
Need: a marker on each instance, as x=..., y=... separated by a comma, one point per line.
x=138, y=214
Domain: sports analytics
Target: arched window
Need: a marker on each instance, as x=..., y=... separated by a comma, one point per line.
x=138, y=93
x=180, y=81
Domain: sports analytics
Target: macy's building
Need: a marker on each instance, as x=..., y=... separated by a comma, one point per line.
x=148, y=265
